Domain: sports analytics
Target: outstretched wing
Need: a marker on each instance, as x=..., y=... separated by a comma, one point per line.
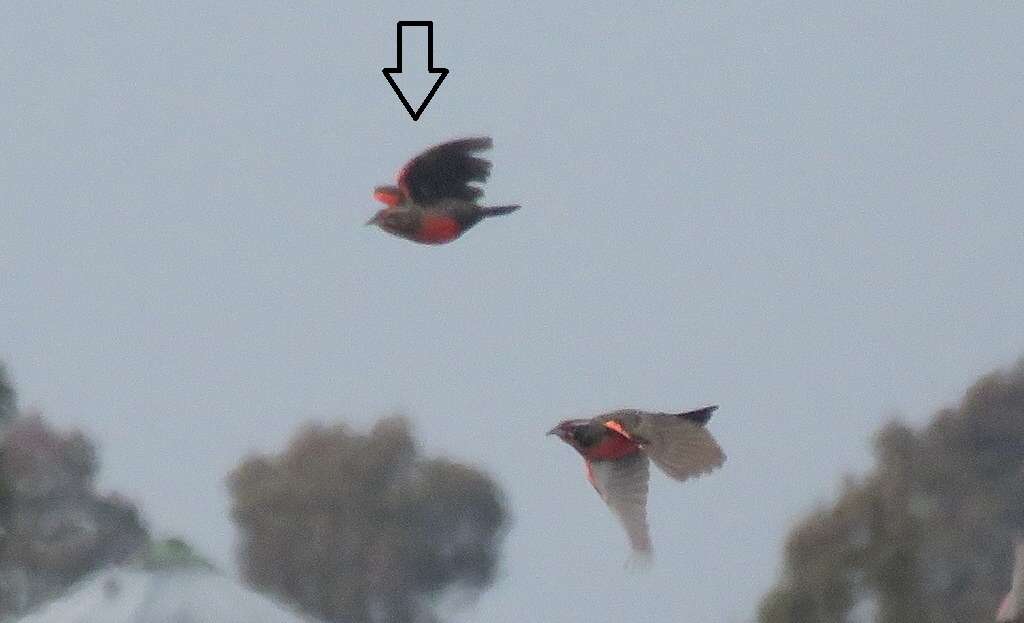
x=678, y=443
x=623, y=486
x=446, y=171
x=1012, y=608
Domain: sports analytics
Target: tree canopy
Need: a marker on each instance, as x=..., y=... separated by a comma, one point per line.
x=925, y=536
x=54, y=526
x=362, y=527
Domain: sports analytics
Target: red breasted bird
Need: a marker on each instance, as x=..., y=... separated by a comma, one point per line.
x=434, y=202
x=1012, y=608
x=616, y=447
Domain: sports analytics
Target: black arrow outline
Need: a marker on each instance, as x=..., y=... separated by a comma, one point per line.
x=415, y=114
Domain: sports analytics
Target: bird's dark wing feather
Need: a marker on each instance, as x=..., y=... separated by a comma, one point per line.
x=446, y=171
x=623, y=486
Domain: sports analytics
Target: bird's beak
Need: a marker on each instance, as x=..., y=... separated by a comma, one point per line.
x=372, y=221
x=555, y=431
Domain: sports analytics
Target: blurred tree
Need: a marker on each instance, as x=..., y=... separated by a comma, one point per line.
x=54, y=527
x=361, y=528
x=8, y=408
x=8, y=399
x=925, y=536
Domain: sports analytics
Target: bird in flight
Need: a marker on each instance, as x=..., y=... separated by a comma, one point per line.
x=617, y=446
x=1012, y=608
x=434, y=202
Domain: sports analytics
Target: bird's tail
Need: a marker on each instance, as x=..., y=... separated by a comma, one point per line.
x=699, y=416
x=498, y=210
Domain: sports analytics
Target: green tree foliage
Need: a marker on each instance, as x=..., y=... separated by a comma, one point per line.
x=54, y=526
x=362, y=528
x=925, y=536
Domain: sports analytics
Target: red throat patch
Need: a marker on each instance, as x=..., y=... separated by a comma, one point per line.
x=437, y=229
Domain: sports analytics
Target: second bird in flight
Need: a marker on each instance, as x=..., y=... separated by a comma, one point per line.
x=617, y=446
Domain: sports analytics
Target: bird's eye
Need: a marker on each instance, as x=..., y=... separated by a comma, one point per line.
x=581, y=435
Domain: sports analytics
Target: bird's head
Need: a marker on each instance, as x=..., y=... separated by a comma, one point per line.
x=398, y=221
x=569, y=431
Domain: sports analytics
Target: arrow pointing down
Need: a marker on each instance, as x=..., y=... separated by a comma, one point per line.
x=392, y=73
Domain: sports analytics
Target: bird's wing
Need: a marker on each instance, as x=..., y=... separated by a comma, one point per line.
x=388, y=195
x=622, y=484
x=1012, y=608
x=446, y=171
x=678, y=443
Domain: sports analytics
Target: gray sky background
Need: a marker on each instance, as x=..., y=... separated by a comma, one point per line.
x=810, y=216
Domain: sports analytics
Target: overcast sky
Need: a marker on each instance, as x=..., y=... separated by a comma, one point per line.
x=810, y=216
